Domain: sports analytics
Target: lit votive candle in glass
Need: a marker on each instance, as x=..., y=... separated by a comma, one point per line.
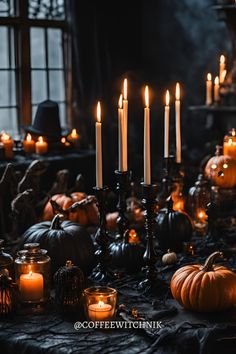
x=100, y=303
x=31, y=286
x=29, y=144
x=41, y=146
x=229, y=147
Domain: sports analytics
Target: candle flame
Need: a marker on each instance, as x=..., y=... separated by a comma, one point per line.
x=223, y=75
x=28, y=137
x=74, y=134
x=177, y=91
x=216, y=80
x=40, y=139
x=30, y=273
x=5, y=136
x=230, y=142
x=209, y=77
x=233, y=132
x=222, y=59
x=100, y=303
x=125, y=89
x=146, y=94
x=99, y=112
x=167, y=98
x=120, y=102
x=63, y=140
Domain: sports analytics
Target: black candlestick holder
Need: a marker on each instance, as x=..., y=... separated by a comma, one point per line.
x=166, y=182
x=101, y=272
x=149, y=204
x=122, y=191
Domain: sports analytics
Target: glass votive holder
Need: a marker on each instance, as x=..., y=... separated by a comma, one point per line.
x=100, y=303
x=32, y=272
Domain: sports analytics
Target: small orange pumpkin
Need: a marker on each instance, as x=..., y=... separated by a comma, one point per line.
x=86, y=215
x=221, y=170
x=204, y=288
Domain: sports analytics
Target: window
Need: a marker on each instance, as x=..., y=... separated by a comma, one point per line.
x=34, y=60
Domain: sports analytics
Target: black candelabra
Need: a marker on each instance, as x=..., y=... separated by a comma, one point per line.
x=122, y=191
x=101, y=272
x=149, y=203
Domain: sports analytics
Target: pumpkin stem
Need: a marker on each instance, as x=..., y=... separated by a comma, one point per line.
x=56, y=222
x=208, y=266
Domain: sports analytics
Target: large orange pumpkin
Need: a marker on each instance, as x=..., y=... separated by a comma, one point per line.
x=205, y=288
x=86, y=215
x=221, y=170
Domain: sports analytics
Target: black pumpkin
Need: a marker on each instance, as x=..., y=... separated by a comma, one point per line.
x=126, y=255
x=63, y=240
x=173, y=228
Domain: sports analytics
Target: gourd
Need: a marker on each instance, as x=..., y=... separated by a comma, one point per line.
x=63, y=240
x=169, y=258
x=204, y=288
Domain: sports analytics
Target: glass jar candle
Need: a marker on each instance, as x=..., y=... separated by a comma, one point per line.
x=229, y=146
x=32, y=272
x=100, y=303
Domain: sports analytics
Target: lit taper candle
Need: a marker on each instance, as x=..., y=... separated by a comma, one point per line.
x=216, y=89
x=147, y=157
x=121, y=134
x=177, y=123
x=125, y=109
x=166, y=127
x=99, y=181
x=209, y=90
x=221, y=69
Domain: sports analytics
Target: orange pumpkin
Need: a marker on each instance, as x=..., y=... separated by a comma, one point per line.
x=221, y=170
x=205, y=288
x=86, y=215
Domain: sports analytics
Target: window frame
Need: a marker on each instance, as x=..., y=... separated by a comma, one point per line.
x=21, y=25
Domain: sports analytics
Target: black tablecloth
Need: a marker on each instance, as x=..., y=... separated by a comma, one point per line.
x=181, y=331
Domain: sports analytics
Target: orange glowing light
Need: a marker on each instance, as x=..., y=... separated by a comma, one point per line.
x=40, y=139
x=120, y=102
x=125, y=90
x=167, y=98
x=177, y=91
x=63, y=140
x=146, y=94
x=28, y=137
x=99, y=112
x=74, y=134
x=216, y=82
x=5, y=136
x=222, y=59
x=209, y=77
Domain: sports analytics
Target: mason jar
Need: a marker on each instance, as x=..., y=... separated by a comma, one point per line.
x=32, y=272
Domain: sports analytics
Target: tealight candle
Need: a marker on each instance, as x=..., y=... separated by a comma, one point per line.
x=100, y=303
x=41, y=146
x=29, y=144
x=73, y=137
x=100, y=311
x=31, y=286
x=8, y=145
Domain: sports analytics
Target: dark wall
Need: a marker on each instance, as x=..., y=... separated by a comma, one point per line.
x=154, y=42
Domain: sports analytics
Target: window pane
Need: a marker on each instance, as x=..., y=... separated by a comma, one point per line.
x=55, y=48
x=57, y=89
x=39, y=88
x=47, y=9
x=8, y=95
x=7, y=8
x=8, y=120
x=62, y=110
x=37, y=42
x=3, y=47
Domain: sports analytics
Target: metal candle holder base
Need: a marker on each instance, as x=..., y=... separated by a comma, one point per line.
x=149, y=204
x=122, y=190
x=101, y=272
